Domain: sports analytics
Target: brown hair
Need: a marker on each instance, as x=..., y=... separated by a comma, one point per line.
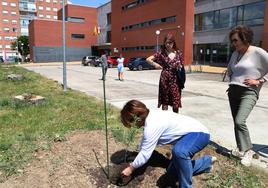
x=244, y=33
x=134, y=113
x=170, y=38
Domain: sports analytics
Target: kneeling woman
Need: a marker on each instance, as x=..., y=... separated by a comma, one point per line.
x=187, y=135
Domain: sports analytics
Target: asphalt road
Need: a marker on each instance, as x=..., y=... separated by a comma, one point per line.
x=203, y=98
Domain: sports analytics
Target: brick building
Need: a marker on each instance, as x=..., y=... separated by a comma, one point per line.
x=134, y=34
x=45, y=36
x=15, y=15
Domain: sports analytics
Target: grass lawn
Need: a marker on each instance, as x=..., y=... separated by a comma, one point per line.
x=25, y=128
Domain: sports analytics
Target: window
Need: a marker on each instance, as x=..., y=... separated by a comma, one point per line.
x=48, y=8
x=151, y=22
x=108, y=37
x=78, y=36
x=254, y=13
x=13, y=13
x=4, y=3
x=14, y=21
x=48, y=1
x=248, y=14
x=48, y=16
x=109, y=18
x=8, y=38
x=55, y=17
x=55, y=1
x=133, y=4
x=6, y=29
x=76, y=19
x=207, y=21
x=8, y=46
x=227, y=18
x=5, y=21
x=5, y=12
x=55, y=9
x=41, y=15
x=13, y=4
x=41, y=8
x=1, y=46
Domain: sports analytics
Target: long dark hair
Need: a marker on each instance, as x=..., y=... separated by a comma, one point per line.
x=134, y=113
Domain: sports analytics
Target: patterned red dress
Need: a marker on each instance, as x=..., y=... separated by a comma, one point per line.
x=169, y=91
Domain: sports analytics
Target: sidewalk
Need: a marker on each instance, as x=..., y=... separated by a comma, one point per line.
x=189, y=68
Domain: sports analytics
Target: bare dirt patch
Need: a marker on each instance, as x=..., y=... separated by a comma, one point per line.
x=80, y=161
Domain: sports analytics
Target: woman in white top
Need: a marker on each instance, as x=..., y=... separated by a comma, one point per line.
x=248, y=70
x=187, y=135
x=120, y=67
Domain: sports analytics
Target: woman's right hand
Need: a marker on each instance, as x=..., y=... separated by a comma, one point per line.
x=128, y=171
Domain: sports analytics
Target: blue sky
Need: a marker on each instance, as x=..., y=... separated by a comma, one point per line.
x=91, y=3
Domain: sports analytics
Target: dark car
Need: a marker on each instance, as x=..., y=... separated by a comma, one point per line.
x=112, y=61
x=139, y=63
x=91, y=60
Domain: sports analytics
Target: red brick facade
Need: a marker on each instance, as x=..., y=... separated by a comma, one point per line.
x=49, y=33
x=150, y=10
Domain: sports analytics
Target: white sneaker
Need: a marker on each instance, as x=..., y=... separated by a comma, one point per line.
x=246, y=160
x=213, y=160
x=237, y=153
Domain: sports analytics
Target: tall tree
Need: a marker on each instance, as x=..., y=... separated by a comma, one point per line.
x=22, y=44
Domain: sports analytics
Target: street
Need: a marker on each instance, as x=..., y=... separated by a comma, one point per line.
x=204, y=98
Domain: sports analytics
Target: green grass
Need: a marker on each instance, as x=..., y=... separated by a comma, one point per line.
x=22, y=124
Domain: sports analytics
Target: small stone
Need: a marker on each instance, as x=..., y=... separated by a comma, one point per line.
x=15, y=77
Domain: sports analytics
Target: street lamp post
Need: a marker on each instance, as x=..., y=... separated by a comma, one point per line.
x=157, y=32
x=64, y=47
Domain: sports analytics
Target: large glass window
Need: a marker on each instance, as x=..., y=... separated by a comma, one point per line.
x=254, y=14
x=212, y=54
x=249, y=14
x=227, y=17
x=207, y=20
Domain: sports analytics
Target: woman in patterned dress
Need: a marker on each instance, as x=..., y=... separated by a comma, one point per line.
x=169, y=59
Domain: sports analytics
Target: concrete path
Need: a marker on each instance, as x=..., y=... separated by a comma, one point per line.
x=204, y=98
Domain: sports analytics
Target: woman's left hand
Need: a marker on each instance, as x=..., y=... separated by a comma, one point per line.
x=251, y=82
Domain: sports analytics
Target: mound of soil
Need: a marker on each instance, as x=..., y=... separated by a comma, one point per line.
x=80, y=161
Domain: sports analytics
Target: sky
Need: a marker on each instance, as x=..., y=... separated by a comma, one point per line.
x=91, y=3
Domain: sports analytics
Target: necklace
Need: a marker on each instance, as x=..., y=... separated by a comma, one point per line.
x=240, y=55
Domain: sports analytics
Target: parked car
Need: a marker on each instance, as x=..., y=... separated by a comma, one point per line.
x=139, y=63
x=112, y=61
x=91, y=60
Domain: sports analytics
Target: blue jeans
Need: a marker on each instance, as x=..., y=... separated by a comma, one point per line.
x=182, y=164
